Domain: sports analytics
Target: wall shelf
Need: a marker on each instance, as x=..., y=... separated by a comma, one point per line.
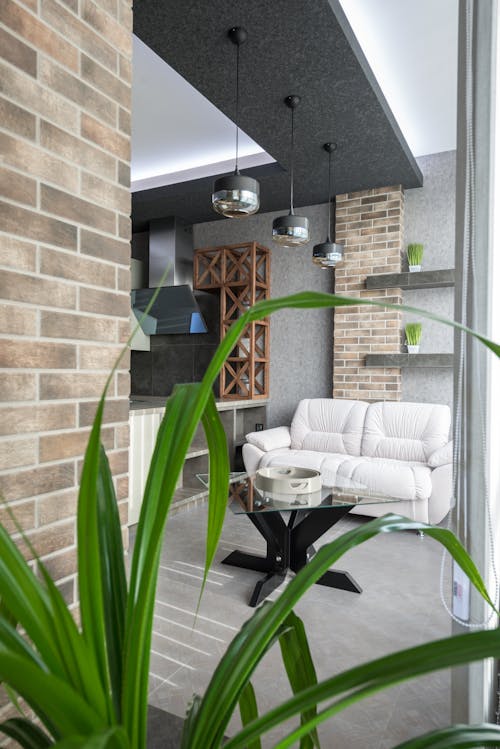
x=409, y=360
x=426, y=279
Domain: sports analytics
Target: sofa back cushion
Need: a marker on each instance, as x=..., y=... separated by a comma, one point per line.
x=328, y=425
x=405, y=431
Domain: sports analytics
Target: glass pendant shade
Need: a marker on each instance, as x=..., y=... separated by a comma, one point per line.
x=236, y=196
x=291, y=230
x=328, y=254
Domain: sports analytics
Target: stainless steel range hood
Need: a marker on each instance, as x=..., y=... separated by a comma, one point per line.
x=175, y=309
x=171, y=250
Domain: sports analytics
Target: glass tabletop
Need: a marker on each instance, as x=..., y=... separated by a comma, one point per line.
x=246, y=497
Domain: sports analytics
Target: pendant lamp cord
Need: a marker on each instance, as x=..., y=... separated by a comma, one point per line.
x=236, y=169
x=329, y=196
x=291, y=168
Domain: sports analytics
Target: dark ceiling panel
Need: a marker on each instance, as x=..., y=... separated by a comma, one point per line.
x=303, y=47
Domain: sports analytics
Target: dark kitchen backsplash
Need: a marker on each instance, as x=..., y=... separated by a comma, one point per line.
x=176, y=359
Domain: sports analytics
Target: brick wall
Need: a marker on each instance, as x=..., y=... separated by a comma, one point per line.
x=370, y=226
x=65, y=72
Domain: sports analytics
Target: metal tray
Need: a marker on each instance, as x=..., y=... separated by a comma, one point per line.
x=288, y=480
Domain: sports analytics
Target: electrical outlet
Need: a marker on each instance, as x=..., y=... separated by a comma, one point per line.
x=461, y=593
x=259, y=427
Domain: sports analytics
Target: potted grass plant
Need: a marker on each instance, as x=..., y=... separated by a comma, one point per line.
x=415, y=253
x=413, y=335
x=86, y=684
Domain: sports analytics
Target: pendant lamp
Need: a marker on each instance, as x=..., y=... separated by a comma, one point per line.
x=236, y=195
x=327, y=254
x=291, y=230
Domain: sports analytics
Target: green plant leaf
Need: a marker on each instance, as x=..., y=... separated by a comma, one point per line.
x=50, y=696
x=5, y=614
x=26, y=733
x=458, y=736
x=93, y=496
x=370, y=678
x=314, y=299
x=80, y=666
x=111, y=738
x=246, y=649
x=114, y=583
x=184, y=410
x=27, y=602
x=299, y=667
x=75, y=662
x=218, y=480
x=393, y=669
x=310, y=300
x=90, y=572
x=249, y=712
x=14, y=699
x=191, y=717
x=11, y=640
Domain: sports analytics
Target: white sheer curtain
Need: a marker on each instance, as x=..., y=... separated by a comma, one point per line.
x=477, y=416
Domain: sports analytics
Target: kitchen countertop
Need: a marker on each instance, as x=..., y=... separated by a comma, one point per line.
x=140, y=404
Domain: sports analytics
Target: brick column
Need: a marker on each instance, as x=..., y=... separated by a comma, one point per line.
x=65, y=73
x=370, y=226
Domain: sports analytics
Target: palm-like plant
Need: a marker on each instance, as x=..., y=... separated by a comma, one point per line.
x=415, y=253
x=413, y=333
x=88, y=685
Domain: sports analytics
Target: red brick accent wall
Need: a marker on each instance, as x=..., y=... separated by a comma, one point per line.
x=370, y=226
x=65, y=74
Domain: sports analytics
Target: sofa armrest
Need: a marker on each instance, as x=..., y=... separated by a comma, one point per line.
x=270, y=439
x=441, y=499
x=442, y=456
x=251, y=458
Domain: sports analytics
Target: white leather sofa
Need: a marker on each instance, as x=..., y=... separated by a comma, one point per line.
x=398, y=449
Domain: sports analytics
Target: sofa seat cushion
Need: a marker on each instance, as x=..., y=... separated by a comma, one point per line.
x=300, y=459
x=395, y=478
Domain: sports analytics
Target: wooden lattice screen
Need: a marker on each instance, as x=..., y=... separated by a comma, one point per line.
x=242, y=274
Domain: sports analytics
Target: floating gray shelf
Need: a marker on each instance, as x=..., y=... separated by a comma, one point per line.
x=426, y=279
x=409, y=360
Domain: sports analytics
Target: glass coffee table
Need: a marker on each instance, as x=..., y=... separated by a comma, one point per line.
x=290, y=524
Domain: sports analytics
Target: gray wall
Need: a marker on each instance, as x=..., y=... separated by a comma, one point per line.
x=301, y=340
x=430, y=219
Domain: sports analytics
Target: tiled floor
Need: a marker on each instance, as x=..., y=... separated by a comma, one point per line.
x=399, y=607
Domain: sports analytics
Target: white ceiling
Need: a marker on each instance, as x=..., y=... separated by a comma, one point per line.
x=177, y=134
x=176, y=130
x=411, y=46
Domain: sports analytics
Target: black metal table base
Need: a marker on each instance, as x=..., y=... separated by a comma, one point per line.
x=290, y=547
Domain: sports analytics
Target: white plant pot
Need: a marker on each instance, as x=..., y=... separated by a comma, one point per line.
x=415, y=268
x=413, y=349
